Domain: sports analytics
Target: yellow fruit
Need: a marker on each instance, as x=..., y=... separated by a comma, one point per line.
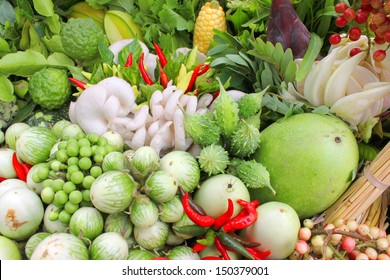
x=119, y=25
x=84, y=10
x=211, y=16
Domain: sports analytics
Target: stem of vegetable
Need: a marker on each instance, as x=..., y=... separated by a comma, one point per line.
x=142, y=69
x=160, y=54
x=200, y=220
x=209, y=239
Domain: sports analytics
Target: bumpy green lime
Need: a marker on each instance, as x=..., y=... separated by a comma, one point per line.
x=80, y=38
x=50, y=88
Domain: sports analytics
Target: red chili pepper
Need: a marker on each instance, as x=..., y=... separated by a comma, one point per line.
x=221, y=248
x=200, y=220
x=164, y=79
x=2, y=179
x=212, y=258
x=225, y=217
x=142, y=69
x=215, y=95
x=129, y=60
x=160, y=258
x=198, y=247
x=19, y=168
x=78, y=83
x=242, y=221
x=258, y=255
x=199, y=70
x=196, y=207
x=160, y=54
x=203, y=69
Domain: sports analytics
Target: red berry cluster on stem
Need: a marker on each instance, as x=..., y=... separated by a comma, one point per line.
x=374, y=14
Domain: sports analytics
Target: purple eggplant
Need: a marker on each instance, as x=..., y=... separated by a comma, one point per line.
x=285, y=27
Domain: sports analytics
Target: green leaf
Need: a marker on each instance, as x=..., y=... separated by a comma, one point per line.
x=24, y=112
x=54, y=23
x=60, y=59
x=217, y=50
x=22, y=63
x=266, y=77
x=287, y=58
x=7, y=13
x=4, y=47
x=44, y=7
x=289, y=74
x=237, y=59
x=6, y=89
x=277, y=55
x=221, y=61
x=310, y=56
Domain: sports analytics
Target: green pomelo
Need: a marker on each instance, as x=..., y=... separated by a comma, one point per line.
x=311, y=158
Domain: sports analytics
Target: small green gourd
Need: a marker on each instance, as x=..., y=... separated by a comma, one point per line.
x=250, y=104
x=213, y=159
x=254, y=174
x=245, y=140
x=225, y=110
x=201, y=128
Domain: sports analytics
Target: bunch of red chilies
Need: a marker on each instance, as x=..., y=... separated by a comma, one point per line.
x=21, y=169
x=220, y=231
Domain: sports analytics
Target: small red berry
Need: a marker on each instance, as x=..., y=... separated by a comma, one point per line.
x=355, y=33
x=379, y=55
x=379, y=40
x=334, y=39
x=349, y=14
x=376, y=4
x=361, y=18
x=340, y=8
x=348, y=243
x=354, y=51
x=341, y=22
x=387, y=36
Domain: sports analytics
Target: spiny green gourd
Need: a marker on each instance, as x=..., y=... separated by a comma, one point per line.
x=244, y=140
x=201, y=128
x=254, y=120
x=225, y=110
x=250, y=104
x=253, y=174
x=213, y=159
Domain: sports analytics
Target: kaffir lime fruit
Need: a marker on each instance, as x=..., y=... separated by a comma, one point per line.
x=50, y=88
x=311, y=158
x=80, y=38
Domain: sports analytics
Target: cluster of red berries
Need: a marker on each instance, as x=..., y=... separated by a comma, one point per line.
x=372, y=13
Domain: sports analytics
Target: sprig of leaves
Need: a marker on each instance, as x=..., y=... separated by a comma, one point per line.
x=251, y=63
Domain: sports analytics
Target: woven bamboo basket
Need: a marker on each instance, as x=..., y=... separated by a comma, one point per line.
x=367, y=199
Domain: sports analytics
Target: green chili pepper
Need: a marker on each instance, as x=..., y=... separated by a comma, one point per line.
x=192, y=230
x=233, y=244
x=209, y=238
